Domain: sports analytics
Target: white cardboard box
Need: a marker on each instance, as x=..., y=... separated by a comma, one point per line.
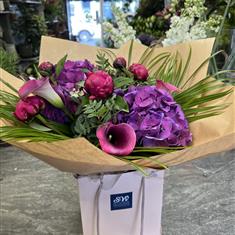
x=121, y=204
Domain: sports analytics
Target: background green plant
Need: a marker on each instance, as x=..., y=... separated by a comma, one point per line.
x=55, y=16
x=152, y=25
x=8, y=61
x=29, y=26
x=226, y=59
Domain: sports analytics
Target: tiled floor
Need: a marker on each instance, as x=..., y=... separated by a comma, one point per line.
x=36, y=199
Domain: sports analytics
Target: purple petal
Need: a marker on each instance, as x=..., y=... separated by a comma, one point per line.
x=31, y=86
x=118, y=139
x=41, y=88
x=156, y=118
x=166, y=86
x=150, y=122
x=54, y=114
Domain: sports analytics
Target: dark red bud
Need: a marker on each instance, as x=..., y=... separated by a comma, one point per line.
x=139, y=71
x=119, y=63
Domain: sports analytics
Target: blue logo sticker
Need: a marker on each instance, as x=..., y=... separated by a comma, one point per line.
x=121, y=201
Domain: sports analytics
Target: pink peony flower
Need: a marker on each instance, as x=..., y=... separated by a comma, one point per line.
x=139, y=71
x=119, y=63
x=42, y=88
x=118, y=139
x=29, y=107
x=166, y=86
x=99, y=85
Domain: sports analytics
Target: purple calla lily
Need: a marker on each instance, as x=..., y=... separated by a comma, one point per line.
x=118, y=139
x=43, y=89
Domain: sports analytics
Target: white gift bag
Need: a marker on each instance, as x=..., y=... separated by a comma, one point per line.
x=121, y=204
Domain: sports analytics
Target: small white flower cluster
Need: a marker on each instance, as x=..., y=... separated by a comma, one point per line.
x=120, y=34
x=174, y=4
x=179, y=30
x=76, y=93
x=194, y=8
x=213, y=23
x=191, y=24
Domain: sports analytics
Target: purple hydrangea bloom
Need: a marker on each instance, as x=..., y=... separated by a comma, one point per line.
x=65, y=96
x=156, y=118
x=73, y=72
x=54, y=114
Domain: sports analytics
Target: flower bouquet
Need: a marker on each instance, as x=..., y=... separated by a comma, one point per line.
x=98, y=110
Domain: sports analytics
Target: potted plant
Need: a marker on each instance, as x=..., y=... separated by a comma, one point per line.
x=29, y=26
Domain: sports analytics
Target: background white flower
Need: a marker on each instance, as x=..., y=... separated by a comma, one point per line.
x=191, y=24
x=121, y=32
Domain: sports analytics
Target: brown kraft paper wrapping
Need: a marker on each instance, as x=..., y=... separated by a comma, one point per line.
x=210, y=135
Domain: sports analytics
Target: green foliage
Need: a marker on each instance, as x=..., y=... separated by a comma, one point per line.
x=83, y=126
x=130, y=53
x=195, y=100
x=223, y=40
x=58, y=128
x=26, y=133
x=147, y=159
x=8, y=61
x=111, y=55
x=60, y=65
x=29, y=26
x=54, y=10
x=8, y=104
x=102, y=62
x=104, y=111
x=91, y=114
x=8, y=98
x=152, y=25
x=230, y=62
x=123, y=82
x=149, y=7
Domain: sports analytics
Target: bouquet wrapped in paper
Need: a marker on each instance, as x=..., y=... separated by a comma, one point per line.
x=98, y=110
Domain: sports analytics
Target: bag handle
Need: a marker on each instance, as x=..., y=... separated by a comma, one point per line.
x=97, y=203
x=97, y=200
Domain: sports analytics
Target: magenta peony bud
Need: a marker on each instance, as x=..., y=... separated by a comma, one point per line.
x=139, y=71
x=46, y=67
x=119, y=63
x=99, y=85
x=118, y=139
x=29, y=107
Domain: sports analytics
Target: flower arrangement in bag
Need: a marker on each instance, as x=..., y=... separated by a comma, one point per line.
x=129, y=110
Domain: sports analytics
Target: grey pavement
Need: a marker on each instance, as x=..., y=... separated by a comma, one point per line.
x=36, y=199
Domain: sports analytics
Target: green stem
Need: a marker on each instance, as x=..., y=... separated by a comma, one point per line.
x=213, y=66
x=146, y=158
x=127, y=72
x=36, y=70
x=68, y=114
x=44, y=121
